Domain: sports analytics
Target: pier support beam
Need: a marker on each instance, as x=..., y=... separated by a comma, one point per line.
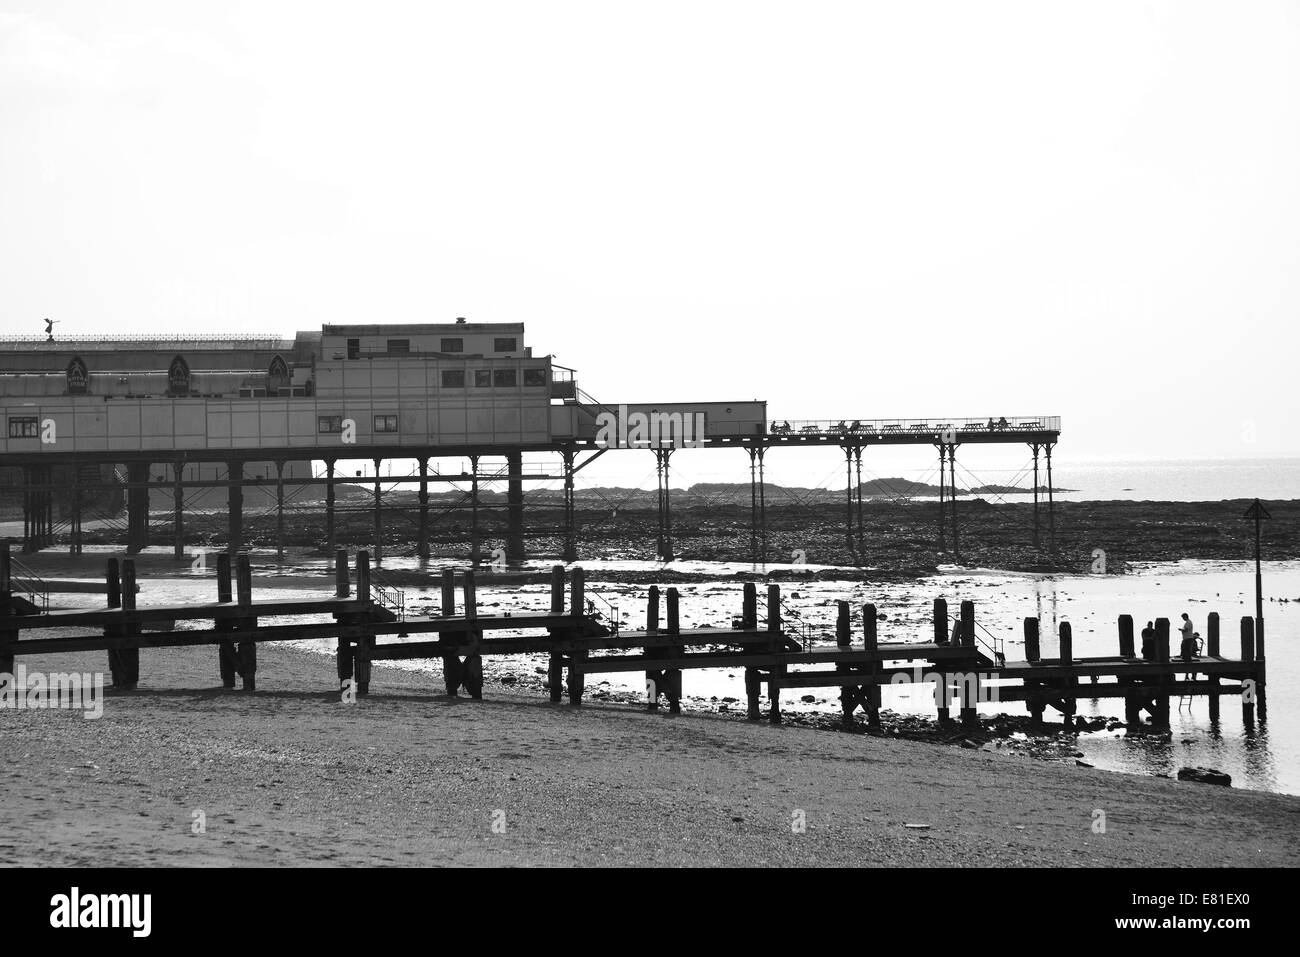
x=943, y=482
x=1034, y=447
x=570, y=533
x=757, y=506
x=378, y=550
x=515, y=507
x=952, y=495
x=235, y=499
x=137, y=506
x=857, y=463
x=662, y=457
x=422, y=533
x=1051, y=504
x=279, y=509
x=330, y=536
x=848, y=495
x=475, y=543
x=178, y=509
x=74, y=513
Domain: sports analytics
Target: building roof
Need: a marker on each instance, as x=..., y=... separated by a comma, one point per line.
x=420, y=328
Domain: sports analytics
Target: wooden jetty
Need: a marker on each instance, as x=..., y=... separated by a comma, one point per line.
x=962, y=668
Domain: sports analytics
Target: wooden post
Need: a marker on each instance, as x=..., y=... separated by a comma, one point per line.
x=1126, y=649
x=342, y=581
x=970, y=682
x=362, y=644
x=557, y=589
x=130, y=657
x=1032, y=651
x=451, y=671
x=555, y=662
x=578, y=592
x=1069, y=703
x=749, y=607
x=673, y=676
x=472, y=672
x=113, y=591
x=227, y=660
x=1212, y=651
x=968, y=624
x=1248, y=656
x=778, y=669
x=654, y=679
x=870, y=644
x=246, y=652
x=448, y=592
x=7, y=635
x=940, y=622
x=652, y=610
x=577, y=607
x=343, y=644
x=752, y=688
x=848, y=693
x=1160, y=716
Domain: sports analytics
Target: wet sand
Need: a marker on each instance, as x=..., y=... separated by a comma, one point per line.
x=291, y=776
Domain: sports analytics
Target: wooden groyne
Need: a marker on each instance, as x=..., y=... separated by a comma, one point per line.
x=960, y=667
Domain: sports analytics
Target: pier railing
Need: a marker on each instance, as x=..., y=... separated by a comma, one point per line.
x=937, y=426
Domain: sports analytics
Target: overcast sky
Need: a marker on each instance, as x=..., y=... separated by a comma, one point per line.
x=850, y=210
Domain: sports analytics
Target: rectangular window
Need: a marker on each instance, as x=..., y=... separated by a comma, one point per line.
x=354, y=348
x=534, y=377
x=453, y=378
x=453, y=345
x=504, y=345
x=385, y=423
x=504, y=378
x=399, y=346
x=24, y=427
x=483, y=378
x=329, y=423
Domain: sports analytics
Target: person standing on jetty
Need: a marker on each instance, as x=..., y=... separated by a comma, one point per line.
x=1149, y=642
x=1188, y=645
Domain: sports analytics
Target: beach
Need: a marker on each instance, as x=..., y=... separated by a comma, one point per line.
x=292, y=776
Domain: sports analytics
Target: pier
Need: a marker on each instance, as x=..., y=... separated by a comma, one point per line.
x=963, y=664
x=109, y=433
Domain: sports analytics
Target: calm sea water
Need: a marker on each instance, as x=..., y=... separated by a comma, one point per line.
x=1206, y=480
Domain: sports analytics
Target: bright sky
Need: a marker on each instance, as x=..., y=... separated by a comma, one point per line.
x=849, y=209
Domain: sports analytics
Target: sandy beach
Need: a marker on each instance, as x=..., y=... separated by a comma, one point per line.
x=291, y=776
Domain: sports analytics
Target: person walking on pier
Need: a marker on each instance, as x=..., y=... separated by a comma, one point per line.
x=1149, y=642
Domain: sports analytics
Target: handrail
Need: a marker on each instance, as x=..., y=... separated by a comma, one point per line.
x=802, y=626
x=23, y=580
x=387, y=594
x=611, y=611
x=997, y=649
